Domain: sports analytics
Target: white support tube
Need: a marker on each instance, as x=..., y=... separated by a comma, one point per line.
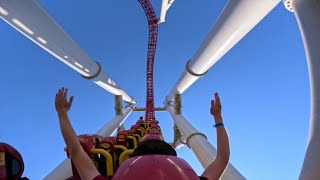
x=166, y=4
x=164, y=8
x=169, y=4
x=180, y=143
x=178, y=139
x=111, y=127
x=307, y=13
x=201, y=147
x=236, y=20
x=29, y=18
x=63, y=170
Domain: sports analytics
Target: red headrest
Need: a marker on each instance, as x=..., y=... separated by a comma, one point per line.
x=155, y=167
x=122, y=138
x=109, y=139
x=108, y=143
x=10, y=156
x=88, y=142
x=154, y=125
x=123, y=132
x=154, y=131
x=152, y=136
x=139, y=121
x=130, y=132
x=135, y=127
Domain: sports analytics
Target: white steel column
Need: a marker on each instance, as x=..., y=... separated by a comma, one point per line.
x=63, y=170
x=307, y=13
x=201, y=147
x=111, y=127
x=169, y=4
x=236, y=20
x=30, y=19
x=164, y=8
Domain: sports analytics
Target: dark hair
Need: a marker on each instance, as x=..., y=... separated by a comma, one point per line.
x=141, y=117
x=154, y=146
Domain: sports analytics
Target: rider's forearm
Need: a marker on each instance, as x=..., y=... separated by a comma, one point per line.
x=68, y=134
x=223, y=150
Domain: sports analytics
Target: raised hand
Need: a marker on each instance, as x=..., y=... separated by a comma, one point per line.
x=61, y=102
x=215, y=108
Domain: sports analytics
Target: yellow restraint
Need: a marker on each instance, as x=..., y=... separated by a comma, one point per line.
x=115, y=156
x=137, y=137
x=125, y=155
x=108, y=157
x=134, y=140
x=120, y=147
x=141, y=131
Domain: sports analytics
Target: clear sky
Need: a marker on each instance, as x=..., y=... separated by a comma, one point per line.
x=263, y=83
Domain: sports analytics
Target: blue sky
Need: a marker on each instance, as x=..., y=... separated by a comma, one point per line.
x=263, y=83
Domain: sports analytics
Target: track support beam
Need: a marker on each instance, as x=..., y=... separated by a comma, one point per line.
x=307, y=13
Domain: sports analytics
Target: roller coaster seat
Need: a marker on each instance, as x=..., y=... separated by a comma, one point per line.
x=108, y=143
x=154, y=131
x=137, y=135
x=122, y=138
x=154, y=126
x=87, y=142
x=143, y=124
x=139, y=121
x=134, y=128
x=152, y=136
x=11, y=163
x=155, y=167
x=137, y=130
x=126, y=139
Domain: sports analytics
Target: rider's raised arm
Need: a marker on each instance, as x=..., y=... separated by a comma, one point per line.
x=81, y=160
x=217, y=167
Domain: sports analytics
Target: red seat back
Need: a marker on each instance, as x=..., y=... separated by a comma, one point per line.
x=152, y=136
x=87, y=142
x=155, y=167
x=11, y=163
x=108, y=143
x=154, y=131
x=122, y=138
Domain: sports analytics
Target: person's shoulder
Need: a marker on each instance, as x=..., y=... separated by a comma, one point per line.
x=99, y=178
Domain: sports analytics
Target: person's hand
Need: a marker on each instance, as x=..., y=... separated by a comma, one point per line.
x=215, y=108
x=61, y=103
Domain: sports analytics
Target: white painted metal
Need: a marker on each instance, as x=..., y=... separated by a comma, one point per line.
x=166, y=4
x=179, y=143
x=169, y=4
x=111, y=127
x=178, y=139
x=236, y=20
x=307, y=13
x=63, y=170
x=164, y=8
x=201, y=147
x=30, y=19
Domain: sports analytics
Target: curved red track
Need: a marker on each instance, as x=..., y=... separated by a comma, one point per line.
x=152, y=44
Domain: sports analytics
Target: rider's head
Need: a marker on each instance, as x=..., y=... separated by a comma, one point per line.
x=154, y=146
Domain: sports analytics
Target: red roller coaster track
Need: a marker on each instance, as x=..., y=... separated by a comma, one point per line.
x=152, y=44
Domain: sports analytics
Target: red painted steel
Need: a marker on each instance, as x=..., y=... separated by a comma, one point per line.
x=155, y=167
x=7, y=155
x=152, y=44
